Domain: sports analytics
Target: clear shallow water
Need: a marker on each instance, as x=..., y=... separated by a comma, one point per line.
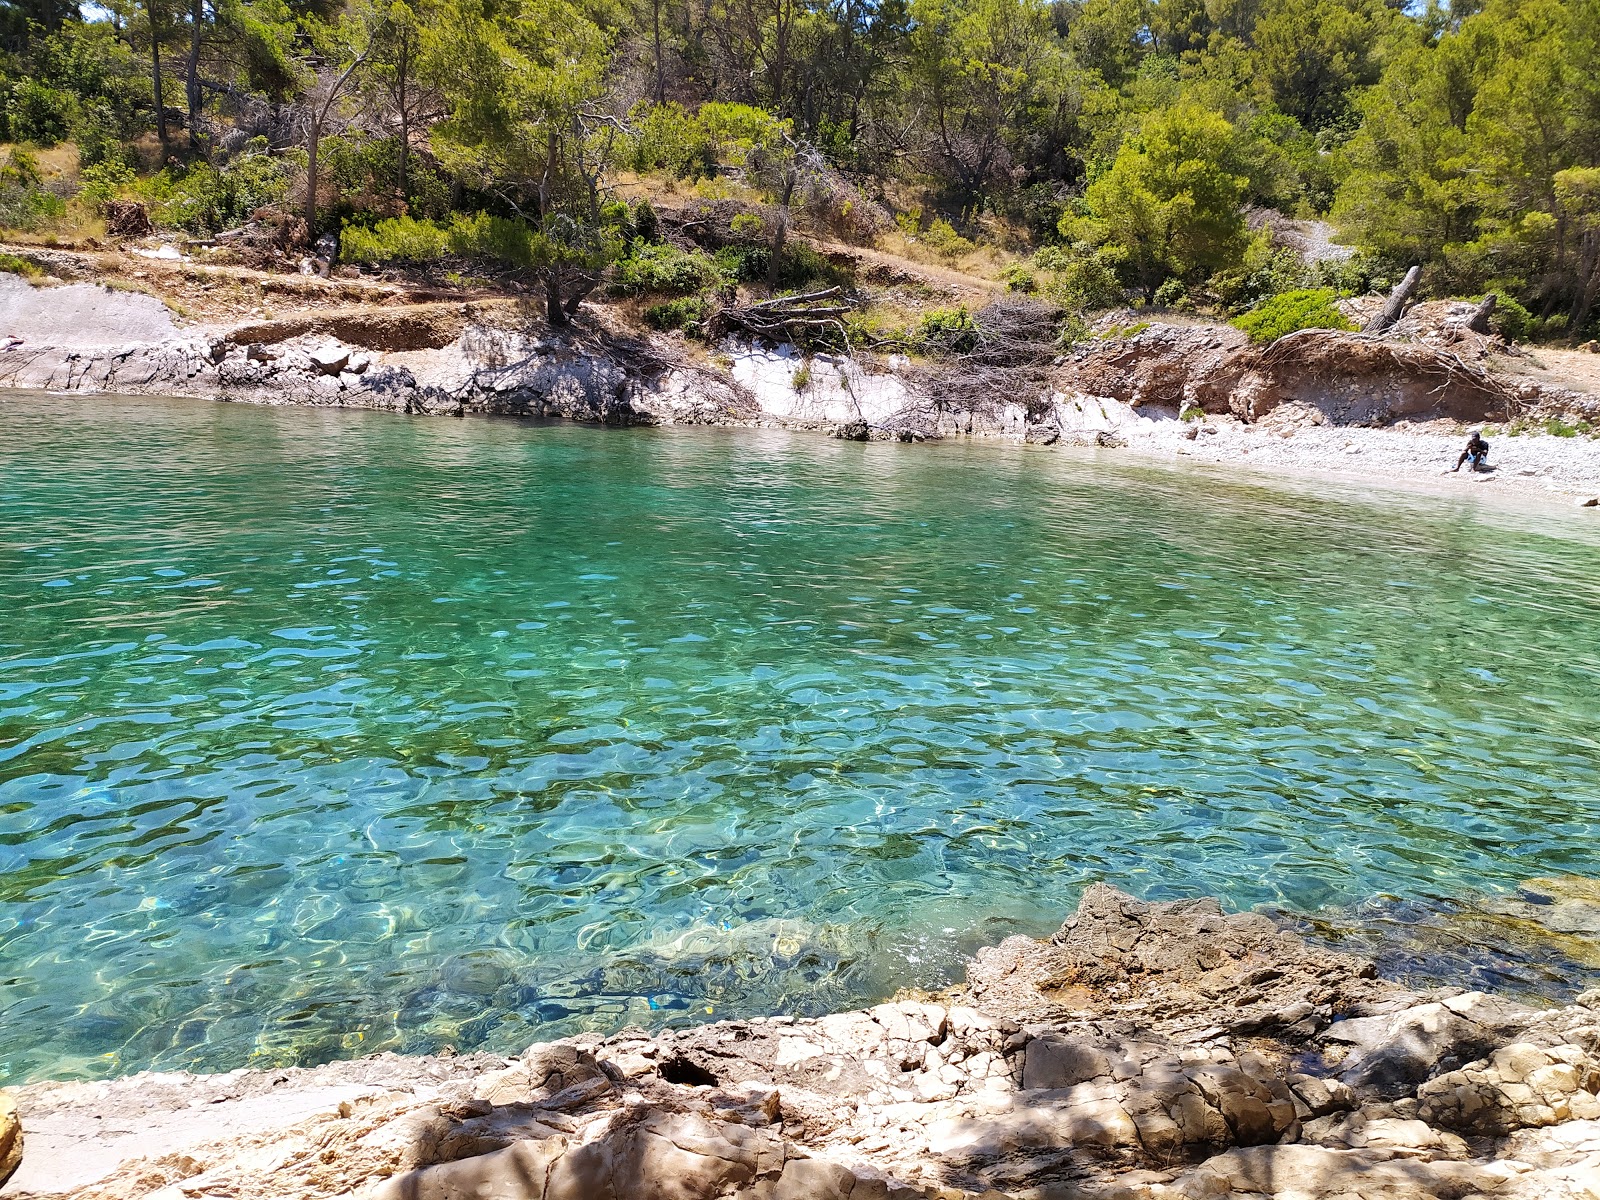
x=325, y=733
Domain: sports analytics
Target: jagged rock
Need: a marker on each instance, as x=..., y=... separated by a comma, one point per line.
x=1392, y=1053
x=1517, y=1087
x=10, y=1137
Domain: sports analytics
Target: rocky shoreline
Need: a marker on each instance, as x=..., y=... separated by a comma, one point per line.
x=1330, y=404
x=1145, y=1052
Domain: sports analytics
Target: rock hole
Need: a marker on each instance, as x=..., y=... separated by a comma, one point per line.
x=679, y=1069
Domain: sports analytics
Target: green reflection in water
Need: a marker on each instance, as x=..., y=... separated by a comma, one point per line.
x=324, y=733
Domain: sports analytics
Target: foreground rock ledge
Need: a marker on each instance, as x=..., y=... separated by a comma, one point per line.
x=1146, y=1052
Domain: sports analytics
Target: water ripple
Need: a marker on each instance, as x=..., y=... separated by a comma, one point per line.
x=325, y=733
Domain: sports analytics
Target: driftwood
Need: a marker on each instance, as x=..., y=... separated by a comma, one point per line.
x=1396, y=304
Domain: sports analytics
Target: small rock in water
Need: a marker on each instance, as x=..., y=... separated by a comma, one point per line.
x=1591, y=502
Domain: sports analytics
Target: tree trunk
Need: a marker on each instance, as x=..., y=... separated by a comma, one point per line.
x=1396, y=303
x=402, y=68
x=192, y=80
x=552, y=298
x=155, y=85
x=313, y=141
x=661, y=69
x=775, y=263
x=781, y=235
x=1483, y=314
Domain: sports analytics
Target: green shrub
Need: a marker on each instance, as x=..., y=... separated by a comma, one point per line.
x=800, y=380
x=485, y=236
x=398, y=239
x=687, y=313
x=1081, y=277
x=13, y=265
x=1510, y=320
x=747, y=225
x=1547, y=329
x=802, y=266
x=104, y=181
x=646, y=224
x=202, y=198
x=1019, y=278
x=25, y=203
x=943, y=240
x=41, y=114
x=663, y=269
x=1171, y=294
x=666, y=138
x=1556, y=427
x=950, y=330
x=100, y=139
x=1305, y=308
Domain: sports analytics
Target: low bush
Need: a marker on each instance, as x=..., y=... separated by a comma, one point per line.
x=1304, y=308
x=41, y=114
x=1079, y=277
x=687, y=313
x=1019, y=278
x=203, y=199
x=663, y=269
x=13, y=265
x=1510, y=320
x=105, y=180
x=942, y=238
x=398, y=239
x=646, y=224
x=747, y=225
x=667, y=138
x=503, y=238
x=25, y=203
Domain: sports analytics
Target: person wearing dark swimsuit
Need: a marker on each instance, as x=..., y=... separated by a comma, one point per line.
x=1477, y=452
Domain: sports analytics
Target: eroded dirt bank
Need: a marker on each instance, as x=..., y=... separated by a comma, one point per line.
x=1145, y=1052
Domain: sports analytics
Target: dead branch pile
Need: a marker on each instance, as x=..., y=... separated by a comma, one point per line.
x=1007, y=359
x=806, y=319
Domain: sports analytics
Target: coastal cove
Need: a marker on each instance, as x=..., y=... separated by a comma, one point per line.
x=327, y=732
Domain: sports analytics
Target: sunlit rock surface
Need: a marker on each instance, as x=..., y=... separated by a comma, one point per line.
x=1146, y=1052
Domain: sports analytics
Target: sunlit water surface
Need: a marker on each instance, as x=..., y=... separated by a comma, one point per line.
x=324, y=733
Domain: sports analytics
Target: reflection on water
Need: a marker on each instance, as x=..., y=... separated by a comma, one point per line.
x=324, y=733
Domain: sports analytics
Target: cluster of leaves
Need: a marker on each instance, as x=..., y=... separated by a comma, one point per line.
x=203, y=198
x=13, y=265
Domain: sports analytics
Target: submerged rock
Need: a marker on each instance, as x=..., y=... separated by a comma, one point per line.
x=1146, y=1052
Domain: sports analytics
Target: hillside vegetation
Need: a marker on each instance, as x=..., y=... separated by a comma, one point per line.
x=677, y=152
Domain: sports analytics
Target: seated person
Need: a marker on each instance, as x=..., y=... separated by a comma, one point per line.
x=1477, y=452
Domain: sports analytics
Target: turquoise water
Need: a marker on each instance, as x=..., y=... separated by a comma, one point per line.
x=325, y=733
